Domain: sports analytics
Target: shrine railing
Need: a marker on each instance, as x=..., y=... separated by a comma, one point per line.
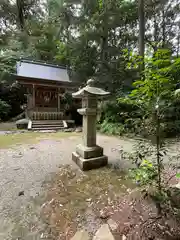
x=45, y=109
x=48, y=115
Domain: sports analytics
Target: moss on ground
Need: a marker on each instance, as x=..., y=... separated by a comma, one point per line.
x=8, y=126
x=71, y=193
x=8, y=140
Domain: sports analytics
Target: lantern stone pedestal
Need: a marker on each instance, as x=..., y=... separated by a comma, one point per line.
x=88, y=155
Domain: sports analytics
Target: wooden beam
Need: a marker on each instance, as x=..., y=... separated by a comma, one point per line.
x=43, y=81
x=59, y=103
x=46, y=84
x=33, y=95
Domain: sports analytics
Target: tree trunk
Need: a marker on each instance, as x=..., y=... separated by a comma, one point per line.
x=178, y=46
x=158, y=145
x=103, y=67
x=68, y=36
x=21, y=19
x=163, y=28
x=20, y=13
x=104, y=45
x=155, y=34
x=104, y=37
x=178, y=42
x=141, y=33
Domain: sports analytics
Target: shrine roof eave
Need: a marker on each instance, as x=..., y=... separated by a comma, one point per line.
x=30, y=80
x=100, y=93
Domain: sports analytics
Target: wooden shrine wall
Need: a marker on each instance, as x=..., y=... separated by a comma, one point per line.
x=46, y=97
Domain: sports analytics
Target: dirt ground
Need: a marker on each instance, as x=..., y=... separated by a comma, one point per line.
x=78, y=201
x=24, y=168
x=36, y=186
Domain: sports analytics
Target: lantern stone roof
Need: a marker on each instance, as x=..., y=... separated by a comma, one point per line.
x=42, y=70
x=90, y=89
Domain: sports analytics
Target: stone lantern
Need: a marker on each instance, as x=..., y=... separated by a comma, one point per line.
x=88, y=155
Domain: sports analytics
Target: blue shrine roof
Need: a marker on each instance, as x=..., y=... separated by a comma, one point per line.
x=41, y=70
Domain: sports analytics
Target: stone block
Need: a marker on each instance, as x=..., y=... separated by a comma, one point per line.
x=22, y=123
x=103, y=233
x=112, y=224
x=89, y=152
x=81, y=235
x=91, y=163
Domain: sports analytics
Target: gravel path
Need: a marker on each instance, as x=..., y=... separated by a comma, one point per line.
x=24, y=168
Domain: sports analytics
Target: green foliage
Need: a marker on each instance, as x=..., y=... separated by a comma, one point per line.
x=14, y=96
x=154, y=95
x=120, y=111
x=121, y=116
x=67, y=99
x=8, y=58
x=158, y=81
x=61, y=56
x=156, y=91
x=4, y=109
x=136, y=111
x=145, y=174
x=94, y=38
x=170, y=128
x=178, y=175
x=112, y=128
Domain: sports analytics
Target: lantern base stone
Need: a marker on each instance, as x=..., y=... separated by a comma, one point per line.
x=89, y=152
x=91, y=163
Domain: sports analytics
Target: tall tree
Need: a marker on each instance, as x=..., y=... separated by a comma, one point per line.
x=141, y=33
x=20, y=13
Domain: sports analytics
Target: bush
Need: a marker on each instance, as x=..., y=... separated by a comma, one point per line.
x=118, y=112
x=4, y=110
x=112, y=128
x=170, y=122
x=118, y=118
x=170, y=128
x=13, y=95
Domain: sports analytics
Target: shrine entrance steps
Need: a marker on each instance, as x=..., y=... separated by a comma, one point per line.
x=39, y=125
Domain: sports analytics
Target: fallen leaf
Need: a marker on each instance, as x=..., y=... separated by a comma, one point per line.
x=21, y=193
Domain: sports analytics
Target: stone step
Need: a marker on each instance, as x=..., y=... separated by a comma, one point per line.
x=47, y=125
x=47, y=128
x=48, y=122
